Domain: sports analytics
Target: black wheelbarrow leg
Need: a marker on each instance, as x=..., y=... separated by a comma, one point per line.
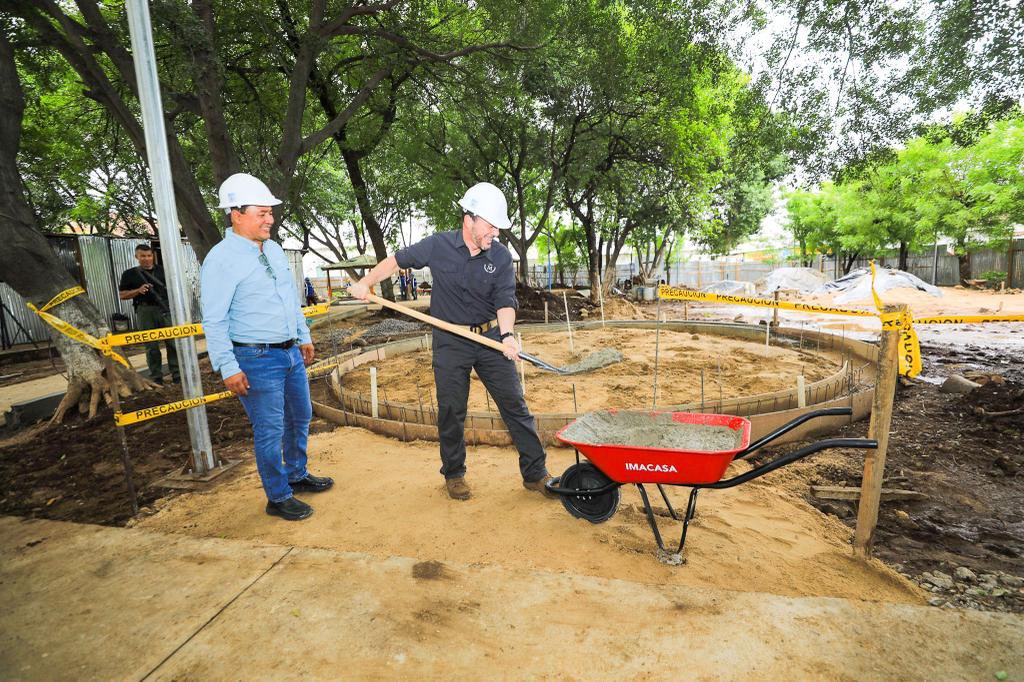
x=691, y=509
x=664, y=496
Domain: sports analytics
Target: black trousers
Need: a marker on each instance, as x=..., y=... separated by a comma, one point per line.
x=454, y=358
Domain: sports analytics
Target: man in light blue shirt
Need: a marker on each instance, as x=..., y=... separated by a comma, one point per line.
x=258, y=340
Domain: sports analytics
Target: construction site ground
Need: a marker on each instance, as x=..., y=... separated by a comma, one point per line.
x=390, y=578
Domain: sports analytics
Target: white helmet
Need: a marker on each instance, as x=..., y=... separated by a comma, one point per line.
x=485, y=200
x=242, y=189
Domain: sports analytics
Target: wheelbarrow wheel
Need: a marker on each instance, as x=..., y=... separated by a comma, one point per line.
x=594, y=508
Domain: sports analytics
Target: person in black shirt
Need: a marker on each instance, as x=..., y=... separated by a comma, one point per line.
x=474, y=286
x=145, y=286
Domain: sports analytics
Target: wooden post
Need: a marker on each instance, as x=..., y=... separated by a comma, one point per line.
x=374, y=408
x=565, y=300
x=775, y=311
x=878, y=429
x=545, y=312
x=801, y=391
x=126, y=462
x=686, y=310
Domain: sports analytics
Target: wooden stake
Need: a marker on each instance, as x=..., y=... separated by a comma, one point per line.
x=657, y=347
x=126, y=462
x=881, y=420
x=767, y=334
x=545, y=312
x=565, y=300
x=775, y=311
x=374, y=408
x=801, y=391
x=686, y=310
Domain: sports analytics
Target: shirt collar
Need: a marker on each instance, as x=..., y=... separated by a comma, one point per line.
x=460, y=243
x=239, y=241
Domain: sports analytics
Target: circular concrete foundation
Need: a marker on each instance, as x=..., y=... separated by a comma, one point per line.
x=847, y=383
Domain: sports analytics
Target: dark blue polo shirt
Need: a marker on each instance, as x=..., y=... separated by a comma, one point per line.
x=465, y=290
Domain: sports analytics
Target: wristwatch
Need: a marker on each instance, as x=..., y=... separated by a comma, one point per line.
x=507, y=334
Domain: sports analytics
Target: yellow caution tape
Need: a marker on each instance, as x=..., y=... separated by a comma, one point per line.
x=160, y=334
x=318, y=309
x=77, y=334
x=672, y=293
x=122, y=419
x=968, y=319
x=909, y=347
x=61, y=297
x=321, y=370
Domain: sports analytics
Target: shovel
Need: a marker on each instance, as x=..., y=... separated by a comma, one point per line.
x=479, y=338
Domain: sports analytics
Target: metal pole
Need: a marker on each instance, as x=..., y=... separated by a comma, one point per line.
x=935, y=261
x=144, y=58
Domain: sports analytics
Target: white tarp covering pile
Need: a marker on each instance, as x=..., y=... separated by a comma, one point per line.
x=804, y=280
x=730, y=288
x=856, y=286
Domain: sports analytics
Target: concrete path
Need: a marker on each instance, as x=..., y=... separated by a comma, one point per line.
x=88, y=602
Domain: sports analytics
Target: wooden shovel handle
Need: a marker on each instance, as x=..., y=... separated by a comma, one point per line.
x=440, y=324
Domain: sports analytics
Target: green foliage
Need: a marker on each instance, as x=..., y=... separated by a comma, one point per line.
x=931, y=188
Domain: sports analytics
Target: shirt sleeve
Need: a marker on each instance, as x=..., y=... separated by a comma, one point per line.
x=127, y=280
x=416, y=255
x=505, y=288
x=216, y=290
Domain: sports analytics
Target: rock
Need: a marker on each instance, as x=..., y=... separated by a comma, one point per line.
x=958, y=384
x=694, y=337
x=964, y=573
x=938, y=579
x=999, y=592
x=988, y=580
x=1011, y=580
x=936, y=601
x=904, y=520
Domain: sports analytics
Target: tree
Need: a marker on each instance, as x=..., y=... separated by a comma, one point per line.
x=33, y=270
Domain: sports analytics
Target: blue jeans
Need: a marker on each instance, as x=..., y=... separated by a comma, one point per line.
x=279, y=408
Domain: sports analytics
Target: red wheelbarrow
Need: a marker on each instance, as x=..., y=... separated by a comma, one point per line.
x=668, y=448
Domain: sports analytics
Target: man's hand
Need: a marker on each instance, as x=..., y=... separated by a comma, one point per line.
x=359, y=290
x=307, y=353
x=238, y=384
x=511, y=348
x=144, y=288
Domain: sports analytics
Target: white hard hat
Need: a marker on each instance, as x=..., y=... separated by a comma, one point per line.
x=242, y=189
x=485, y=200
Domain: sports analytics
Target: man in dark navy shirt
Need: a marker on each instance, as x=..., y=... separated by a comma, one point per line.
x=475, y=286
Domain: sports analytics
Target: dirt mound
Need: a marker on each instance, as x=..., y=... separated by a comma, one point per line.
x=971, y=521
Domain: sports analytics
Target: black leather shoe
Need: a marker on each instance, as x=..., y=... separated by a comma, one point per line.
x=312, y=484
x=290, y=509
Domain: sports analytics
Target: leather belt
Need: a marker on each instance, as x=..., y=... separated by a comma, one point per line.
x=481, y=328
x=284, y=344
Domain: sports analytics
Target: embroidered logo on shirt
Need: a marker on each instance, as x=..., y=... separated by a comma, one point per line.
x=489, y=268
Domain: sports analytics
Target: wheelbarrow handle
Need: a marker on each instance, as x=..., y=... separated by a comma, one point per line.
x=757, y=472
x=786, y=428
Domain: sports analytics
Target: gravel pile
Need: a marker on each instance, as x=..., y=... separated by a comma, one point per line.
x=392, y=327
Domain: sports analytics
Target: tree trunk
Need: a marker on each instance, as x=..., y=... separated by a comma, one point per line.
x=964, y=261
x=904, y=256
x=380, y=247
x=31, y=268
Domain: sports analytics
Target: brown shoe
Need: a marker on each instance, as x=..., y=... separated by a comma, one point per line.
x=457, y=488
x=540, y=487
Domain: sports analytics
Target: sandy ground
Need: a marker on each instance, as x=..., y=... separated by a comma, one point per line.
x=390, y=501
x=86, y=602
x=747, y=368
